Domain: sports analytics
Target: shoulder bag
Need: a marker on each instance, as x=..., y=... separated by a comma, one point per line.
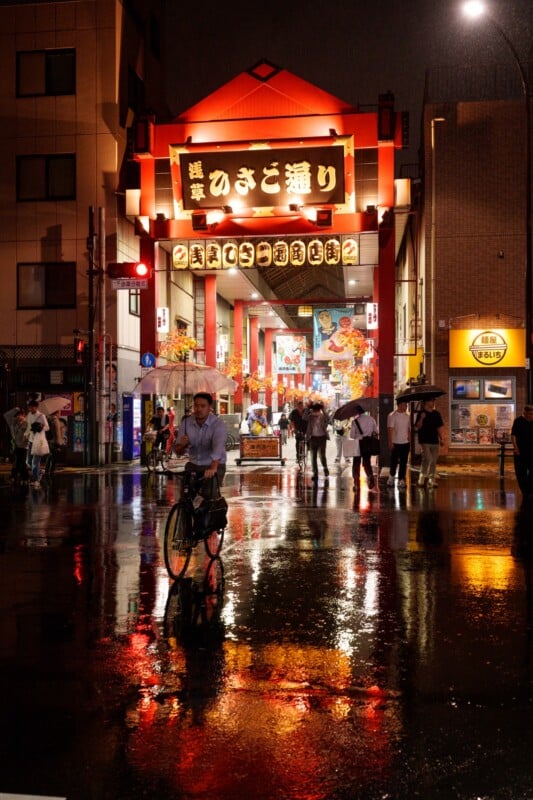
x=368, y=445
x=211, y=514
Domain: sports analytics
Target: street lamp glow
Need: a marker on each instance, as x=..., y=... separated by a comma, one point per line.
x=474, y=9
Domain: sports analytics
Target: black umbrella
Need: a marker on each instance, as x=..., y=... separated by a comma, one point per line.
x=350, y=409
x=422, y=391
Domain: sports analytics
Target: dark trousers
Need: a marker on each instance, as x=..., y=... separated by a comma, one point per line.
x=398, y=456
x=524, y=475
x=317, y=446
x=212, y=486
x=20, y=467
x=367, y=466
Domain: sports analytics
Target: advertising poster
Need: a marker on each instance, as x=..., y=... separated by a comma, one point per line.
x=290, y=355
x=79, y=436
x=328, y=326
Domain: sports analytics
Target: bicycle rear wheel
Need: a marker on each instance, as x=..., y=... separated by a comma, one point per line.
x=213, y=542
x=230, y=442
x=179, y=541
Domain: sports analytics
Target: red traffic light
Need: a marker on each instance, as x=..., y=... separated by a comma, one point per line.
x=134, y=270
x=79, y=350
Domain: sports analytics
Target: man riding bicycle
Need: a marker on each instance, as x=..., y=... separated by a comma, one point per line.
x=203, y=435
x=298, y=426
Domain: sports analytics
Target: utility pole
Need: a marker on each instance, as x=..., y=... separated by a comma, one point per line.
x=90, y=411
x=103, y=406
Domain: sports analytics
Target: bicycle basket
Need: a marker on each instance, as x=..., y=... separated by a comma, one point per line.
x=210, y=516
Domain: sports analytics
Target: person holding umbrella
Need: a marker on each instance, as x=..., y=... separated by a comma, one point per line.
x=430, y=429
x=363, y=425
x=36, y=427
x=203, y=435
x=257, y=421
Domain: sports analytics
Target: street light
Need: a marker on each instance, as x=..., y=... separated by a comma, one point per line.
x=475, y=9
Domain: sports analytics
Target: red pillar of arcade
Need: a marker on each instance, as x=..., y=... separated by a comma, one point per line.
x=254, y=349
x=237, y=348
x=148, y=321
x=268, y=363
x=384, y=286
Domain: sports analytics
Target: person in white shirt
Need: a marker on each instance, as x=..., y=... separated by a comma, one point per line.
x=363, y=425
x=399, y=432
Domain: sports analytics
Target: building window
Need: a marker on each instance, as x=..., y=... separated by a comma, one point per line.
x=366, y=177
x=135, y=302
x=46, y=72
x=46, y=177
x=46, y=285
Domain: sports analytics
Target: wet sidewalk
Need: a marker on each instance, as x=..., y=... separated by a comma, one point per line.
x=346, y=645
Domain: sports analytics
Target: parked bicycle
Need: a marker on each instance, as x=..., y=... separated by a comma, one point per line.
x=230, y=442
x=199, y=515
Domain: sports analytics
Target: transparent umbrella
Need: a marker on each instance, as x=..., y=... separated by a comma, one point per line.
x=52, y=404
x=173, y=379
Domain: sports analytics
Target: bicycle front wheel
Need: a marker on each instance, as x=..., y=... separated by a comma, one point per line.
x=151, y=460
x=178, y=541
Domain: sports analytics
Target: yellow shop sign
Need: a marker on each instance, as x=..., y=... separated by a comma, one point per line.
x=489, y=348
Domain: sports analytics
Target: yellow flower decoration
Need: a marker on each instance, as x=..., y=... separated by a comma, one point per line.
x=177, y=346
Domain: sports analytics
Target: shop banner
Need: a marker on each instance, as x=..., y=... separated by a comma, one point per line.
x=488, y=348
x=290, y=355
x=328, y=326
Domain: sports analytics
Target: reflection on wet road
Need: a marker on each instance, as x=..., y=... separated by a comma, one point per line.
x=344, y=646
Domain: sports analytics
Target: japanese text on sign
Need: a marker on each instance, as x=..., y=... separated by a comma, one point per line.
x=268, y=177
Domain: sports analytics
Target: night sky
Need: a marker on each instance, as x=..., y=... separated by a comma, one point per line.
x=354, y=50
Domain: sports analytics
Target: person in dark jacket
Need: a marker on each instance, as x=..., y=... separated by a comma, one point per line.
x=430, y=429
x=522, y=439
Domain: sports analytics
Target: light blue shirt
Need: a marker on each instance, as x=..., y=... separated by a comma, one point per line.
x=207, y=442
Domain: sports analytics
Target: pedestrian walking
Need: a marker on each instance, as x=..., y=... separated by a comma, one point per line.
x=522, y=439
x=317, y=436
x=362, y=425
x=430, y=429
x=55, y=442
x=399, y=433
x=36, y=427
x=283, y=425
x=298, y=426
x=341, y=428
x=20, y=447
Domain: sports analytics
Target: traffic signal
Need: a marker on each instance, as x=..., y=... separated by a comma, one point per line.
x=79, y=350
x=134, y=270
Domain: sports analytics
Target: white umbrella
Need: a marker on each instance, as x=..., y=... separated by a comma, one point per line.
x=257, y=406
x=53, y=404
x=171, y=379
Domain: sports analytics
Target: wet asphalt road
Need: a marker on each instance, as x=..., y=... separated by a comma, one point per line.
x=343, y=647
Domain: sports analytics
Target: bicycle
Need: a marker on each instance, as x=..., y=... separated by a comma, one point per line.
x=185, y=525
x=230, y=442
x=301, y=452
x=194, y=605
x=157, y=457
